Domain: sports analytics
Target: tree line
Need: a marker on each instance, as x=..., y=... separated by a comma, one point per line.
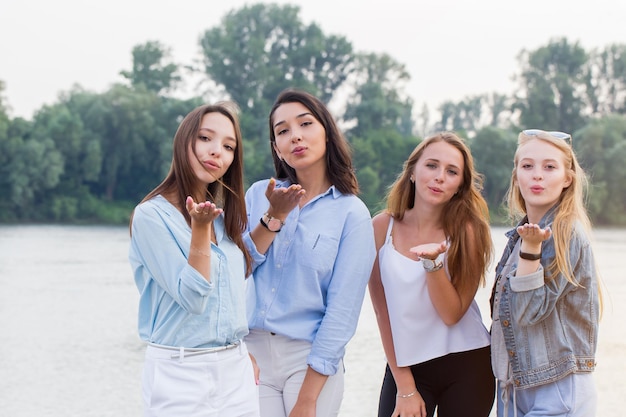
x=90, y=157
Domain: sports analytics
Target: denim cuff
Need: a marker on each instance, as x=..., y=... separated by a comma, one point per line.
x=528, y=282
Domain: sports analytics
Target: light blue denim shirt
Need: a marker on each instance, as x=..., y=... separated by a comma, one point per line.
x=177, y=306
x=311, y=282
x=550, y=326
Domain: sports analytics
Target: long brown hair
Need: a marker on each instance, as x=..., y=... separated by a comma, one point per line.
x=469, y=254
x=227, y=192
x=338, y=152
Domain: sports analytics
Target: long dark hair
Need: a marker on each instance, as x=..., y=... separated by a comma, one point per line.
x=338, y=152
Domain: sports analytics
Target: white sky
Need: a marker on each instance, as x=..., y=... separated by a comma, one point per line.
x=451, y=48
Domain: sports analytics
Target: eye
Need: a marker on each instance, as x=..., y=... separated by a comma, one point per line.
x=204, y=138
x=281, y=132
x=452, y=172
x=431, y=165
x=526, y=166
x=229, y=147
x=550, y=166
x=306, y=123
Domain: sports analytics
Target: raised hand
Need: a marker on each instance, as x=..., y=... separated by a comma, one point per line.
x=283, y=200
x=533, y=234
x=429, y=250
x=204, y=212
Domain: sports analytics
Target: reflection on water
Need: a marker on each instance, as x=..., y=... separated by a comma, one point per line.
x=70, y=346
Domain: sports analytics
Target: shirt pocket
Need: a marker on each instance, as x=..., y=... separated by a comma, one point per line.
x=320, y=252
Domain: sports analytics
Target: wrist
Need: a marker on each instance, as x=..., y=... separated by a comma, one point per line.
x=273, y=224
x=432, y=265
x=407, y=395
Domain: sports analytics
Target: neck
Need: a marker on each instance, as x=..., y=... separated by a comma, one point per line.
x=423, y=219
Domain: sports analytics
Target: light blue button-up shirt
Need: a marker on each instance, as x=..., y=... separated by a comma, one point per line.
x=177, y=306
x=311, y=282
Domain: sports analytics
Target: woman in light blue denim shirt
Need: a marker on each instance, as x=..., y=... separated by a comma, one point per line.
x=312, y=242
x=190, y=263
x=546, y=298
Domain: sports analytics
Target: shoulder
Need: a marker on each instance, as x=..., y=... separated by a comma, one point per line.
x=153, y=206
x=381, y=223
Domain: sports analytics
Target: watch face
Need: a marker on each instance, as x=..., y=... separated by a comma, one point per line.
x=428, y=263
x=273, y=224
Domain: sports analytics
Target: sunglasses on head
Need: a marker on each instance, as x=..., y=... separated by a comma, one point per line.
x=559, y=135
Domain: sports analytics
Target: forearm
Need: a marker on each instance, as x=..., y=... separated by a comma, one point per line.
x=200, y=249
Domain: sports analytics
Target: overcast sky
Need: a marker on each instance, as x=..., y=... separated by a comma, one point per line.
x=451, y=48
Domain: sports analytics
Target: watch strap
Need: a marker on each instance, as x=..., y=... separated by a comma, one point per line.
x=529, y=256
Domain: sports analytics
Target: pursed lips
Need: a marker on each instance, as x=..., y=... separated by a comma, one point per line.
x=536, y=189
x=211, y=165
x=298, y=149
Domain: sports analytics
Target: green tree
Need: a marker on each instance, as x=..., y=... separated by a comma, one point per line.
x=493, y=150
x=552, y=92
x=379, y=102
x=379, y=158
x=152, y=68
x=607, y=80
x=259, y=50
x=601, y=149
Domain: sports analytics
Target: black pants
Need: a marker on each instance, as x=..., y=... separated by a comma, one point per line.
x=458, y=385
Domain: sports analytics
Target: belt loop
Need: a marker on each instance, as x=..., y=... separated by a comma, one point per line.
x=181, y=354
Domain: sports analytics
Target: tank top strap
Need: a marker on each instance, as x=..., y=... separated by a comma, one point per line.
x=388, y=238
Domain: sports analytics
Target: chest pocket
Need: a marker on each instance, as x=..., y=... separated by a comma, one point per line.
x=319, y=252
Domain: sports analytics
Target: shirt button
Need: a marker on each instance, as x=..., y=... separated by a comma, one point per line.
x=511, y=353
x=505, y=323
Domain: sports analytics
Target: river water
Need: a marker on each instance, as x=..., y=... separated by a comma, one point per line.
x=69, y=344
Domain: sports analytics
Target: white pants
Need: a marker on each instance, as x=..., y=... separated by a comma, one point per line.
x=282, y=362
x=199, y=385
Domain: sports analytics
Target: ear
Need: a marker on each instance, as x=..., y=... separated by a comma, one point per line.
x=568, y=181
x=277, y=151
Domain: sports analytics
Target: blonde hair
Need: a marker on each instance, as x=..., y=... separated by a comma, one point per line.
x=466, y=210
x=571, y=202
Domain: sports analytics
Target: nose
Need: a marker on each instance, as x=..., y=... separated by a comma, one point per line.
x=296, y=135
x=439, y=177
x=215, y=149
x=537, y=174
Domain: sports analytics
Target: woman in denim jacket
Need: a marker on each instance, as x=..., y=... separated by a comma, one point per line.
x=546, y=298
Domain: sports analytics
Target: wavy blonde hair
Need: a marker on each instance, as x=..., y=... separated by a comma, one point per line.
x=571, y=202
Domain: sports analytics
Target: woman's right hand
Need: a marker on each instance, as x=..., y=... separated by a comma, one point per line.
x=283, y=200
x=413, y=406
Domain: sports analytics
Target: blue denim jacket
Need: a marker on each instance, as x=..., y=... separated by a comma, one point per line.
x=550, y=326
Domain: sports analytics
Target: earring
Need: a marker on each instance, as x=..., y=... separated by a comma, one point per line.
x=411, y=178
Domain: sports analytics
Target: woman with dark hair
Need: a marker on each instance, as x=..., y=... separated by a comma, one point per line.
x=434, y=246
x=312, y=244
x=190, y=264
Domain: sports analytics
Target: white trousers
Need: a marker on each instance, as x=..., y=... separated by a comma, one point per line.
x=282, y=362
x=199, y=385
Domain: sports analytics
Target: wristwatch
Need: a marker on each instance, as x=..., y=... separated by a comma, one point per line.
x=271, y=223
x=432, y=265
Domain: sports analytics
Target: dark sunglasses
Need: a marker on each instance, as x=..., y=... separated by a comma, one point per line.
x=559, y=135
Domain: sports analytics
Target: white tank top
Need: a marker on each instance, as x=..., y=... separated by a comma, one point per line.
x=418, y=332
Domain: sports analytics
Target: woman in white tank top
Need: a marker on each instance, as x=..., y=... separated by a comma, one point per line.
x=434, y=245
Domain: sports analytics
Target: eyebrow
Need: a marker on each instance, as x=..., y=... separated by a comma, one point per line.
x=230, y=138
x=297, y=117
x=438, y=161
